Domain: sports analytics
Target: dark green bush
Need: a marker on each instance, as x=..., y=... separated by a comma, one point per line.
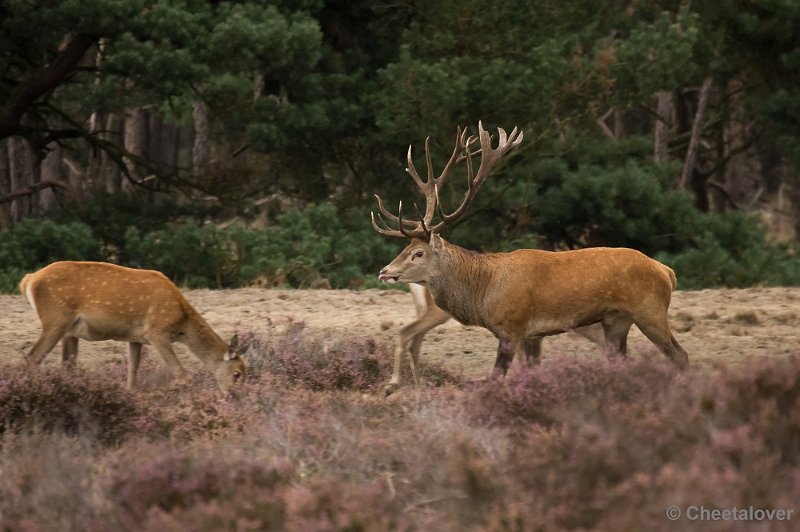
x=191, y=255
x=733, y=250
x=35, y=243
x=110, y=215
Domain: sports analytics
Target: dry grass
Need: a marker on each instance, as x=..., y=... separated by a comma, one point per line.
x=577, y=443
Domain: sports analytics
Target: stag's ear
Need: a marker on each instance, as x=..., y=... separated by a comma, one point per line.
x=436, y=242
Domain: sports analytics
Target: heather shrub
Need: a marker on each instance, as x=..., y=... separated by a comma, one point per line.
x=69, y=401
x=626, y=441
x=317, y=362
x=46, y=481
x=564, y=386
x=147, y=480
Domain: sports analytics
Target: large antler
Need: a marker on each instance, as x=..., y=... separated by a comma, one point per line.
x=430, y=187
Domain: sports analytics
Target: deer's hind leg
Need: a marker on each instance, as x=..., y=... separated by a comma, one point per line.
x=53, y=330
x=658, y=332
x=615, y=330
x=532, y=347
x=69, y=351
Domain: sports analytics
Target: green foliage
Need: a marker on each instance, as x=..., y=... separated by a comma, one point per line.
x=318, y=246
x=628, y=205
x=111, y=215
x=191, y=255
x=318, y=242
x=35, y=243
x=733, y=250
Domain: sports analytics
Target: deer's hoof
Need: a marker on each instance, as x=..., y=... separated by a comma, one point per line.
x=389, y=389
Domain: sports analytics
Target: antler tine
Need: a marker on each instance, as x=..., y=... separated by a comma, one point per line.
x=416, y=233
x=385, y=213
x=411, y=170
x=430, y=187
x=489, y=157
x=385, y=230
x=461, y=145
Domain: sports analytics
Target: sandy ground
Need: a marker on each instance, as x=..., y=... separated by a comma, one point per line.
x=716, y=327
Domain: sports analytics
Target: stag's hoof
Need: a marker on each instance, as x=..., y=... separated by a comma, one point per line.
x=389, y=389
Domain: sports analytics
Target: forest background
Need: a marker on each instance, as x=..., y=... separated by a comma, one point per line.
x=237, y=143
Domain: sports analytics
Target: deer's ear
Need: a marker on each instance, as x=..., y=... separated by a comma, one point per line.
x=233, y=345
x=436, y=242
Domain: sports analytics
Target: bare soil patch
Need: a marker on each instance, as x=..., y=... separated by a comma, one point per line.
x=717, y=327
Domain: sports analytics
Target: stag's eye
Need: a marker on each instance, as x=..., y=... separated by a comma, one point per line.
x=418, y=254
x=237, y=376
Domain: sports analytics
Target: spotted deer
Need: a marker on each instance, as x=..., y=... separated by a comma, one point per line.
x=99, y=301
x=525, y=294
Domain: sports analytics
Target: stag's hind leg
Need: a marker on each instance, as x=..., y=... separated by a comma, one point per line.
x=615, y=331
x=532, y=347
x=658, y=332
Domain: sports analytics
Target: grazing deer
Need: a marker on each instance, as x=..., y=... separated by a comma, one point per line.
x=429, y=316
x=529, y=293
x=100, y=301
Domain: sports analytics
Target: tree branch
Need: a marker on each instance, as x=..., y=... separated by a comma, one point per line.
x=48, y=79
x=34, y=189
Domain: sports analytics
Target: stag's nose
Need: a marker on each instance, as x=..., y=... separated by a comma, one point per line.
x=385, y=277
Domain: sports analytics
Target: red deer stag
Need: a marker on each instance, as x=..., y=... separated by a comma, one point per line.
x=527, y=293
x=100, y=301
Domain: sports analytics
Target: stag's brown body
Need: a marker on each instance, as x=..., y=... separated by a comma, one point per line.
x=526, y=294
x=100, y=301
x=533, y=293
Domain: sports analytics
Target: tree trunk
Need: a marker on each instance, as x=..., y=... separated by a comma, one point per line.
x=5, y=184
x=690, y=161
x=200, y=149
x=742, y=172
x=50, y=171
x=135, y=143
x=22, y=166
x=663, y=125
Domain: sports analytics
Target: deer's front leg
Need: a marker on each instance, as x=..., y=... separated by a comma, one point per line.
x=134, y=357
x=506, y=350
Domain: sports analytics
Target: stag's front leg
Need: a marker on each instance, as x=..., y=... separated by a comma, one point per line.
x=506, y=350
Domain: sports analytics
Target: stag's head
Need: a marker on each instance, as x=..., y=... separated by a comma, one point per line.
x=416, y=263
x=422, y=257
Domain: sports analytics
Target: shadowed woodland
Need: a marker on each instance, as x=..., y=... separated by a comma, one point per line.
x=670, y=127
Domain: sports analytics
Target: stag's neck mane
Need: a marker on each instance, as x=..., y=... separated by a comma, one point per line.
x=460, y=285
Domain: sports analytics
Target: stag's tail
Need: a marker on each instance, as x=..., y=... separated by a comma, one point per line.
x=672, y=277
x=23, y=287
